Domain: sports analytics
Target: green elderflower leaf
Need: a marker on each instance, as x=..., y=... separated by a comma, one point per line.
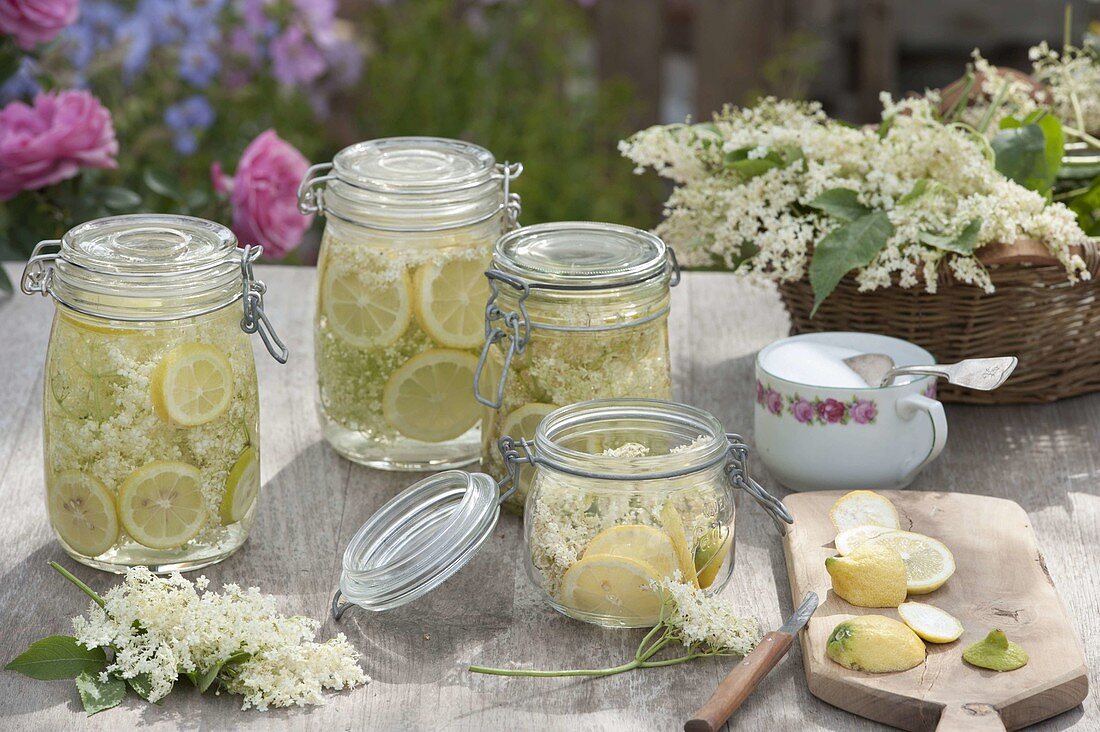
x=840, y=203
x=848, y=247
x=97, y=694
x=57, y=657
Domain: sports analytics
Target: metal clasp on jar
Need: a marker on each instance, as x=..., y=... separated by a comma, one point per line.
x=310, y=190
x=38, y=273
x=737, y=470
x=512, y=204
x=252, y=294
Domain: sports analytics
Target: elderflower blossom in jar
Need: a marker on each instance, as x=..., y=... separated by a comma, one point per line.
x=410, y=224
x=151, y=411
x=577, y=311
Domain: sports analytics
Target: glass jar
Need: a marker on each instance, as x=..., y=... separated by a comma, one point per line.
x=576, y=311
x=410, y=224
x=151, y=414
x=626, y=493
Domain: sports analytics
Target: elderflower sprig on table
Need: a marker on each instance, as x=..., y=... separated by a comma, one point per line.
x=148, y=630
x=701, y=624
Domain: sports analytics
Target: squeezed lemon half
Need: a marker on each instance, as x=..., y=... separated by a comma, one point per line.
x=430, y=397
x=241, y=487
x=82, y=512
x=450, y=302
x=366, y=313
x=191, y=385
x=860, y=508
x=613, y=587
x=161, y=504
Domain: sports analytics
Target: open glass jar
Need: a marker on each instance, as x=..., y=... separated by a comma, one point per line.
x=576, y=311
x=410, y=225
x=626, y=493
x=151, y=412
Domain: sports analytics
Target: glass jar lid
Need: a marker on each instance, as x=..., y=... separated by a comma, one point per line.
x=414, y=164
x=581, y=255
x=419, y=539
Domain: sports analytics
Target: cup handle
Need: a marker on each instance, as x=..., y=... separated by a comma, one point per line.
x=907, y=409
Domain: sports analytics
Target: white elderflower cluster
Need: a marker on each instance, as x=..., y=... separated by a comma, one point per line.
x=1073, y=78
x=740, y=208
x=161, y=627
x=700, y=620
x=1017, y=96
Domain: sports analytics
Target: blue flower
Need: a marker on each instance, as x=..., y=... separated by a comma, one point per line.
x=197, y=15
x=164, y=18
x=136, y=35
x=22, y=84
x=186, y=118
x=199, y=64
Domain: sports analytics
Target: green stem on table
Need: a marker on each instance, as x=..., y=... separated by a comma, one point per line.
x=598, y=672
x=83, y=587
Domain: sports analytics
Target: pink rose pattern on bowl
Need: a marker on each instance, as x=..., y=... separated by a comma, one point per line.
x=819, y=411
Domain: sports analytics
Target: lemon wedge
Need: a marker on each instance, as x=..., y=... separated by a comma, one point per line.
x=241, y=487
x=847, y=541
x=928, y=563
x=930, y=623
x=860, y=508
x=364, y=312
x=644, y=543
x=191, y=385
x=161, y=504
x=82, y=512
x=613, y=588
x=430, y=397
x=450, y=302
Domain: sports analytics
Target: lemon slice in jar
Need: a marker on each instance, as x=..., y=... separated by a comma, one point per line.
x=366, y=312
x=191, y=385
x=673, y=525
x=430, y=397
x=241, y=487
x=82, y=512
x=613, y=587
x=637, y=541
x=161, y=504
x=450, y=302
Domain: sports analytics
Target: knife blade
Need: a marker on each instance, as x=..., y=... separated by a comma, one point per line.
x=748, y=674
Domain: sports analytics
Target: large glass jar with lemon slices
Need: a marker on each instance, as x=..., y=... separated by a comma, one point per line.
x=627, y=493
x=410, y=225
x=151, y=416
x=577, y=311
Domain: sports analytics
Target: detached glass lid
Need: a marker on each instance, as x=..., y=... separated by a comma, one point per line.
x=581, y=254
x=417, y=540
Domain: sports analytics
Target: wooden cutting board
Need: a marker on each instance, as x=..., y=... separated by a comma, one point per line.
x=1000, y=581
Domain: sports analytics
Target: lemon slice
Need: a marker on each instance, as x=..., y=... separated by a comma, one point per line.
x=860, y=508
x=674, y=528
x=366, y=313
x=450, y=302
x=928, y=563
x=847, y=541
x=82, y=512
x=241, y=487
x=616, y=588
x=191, y=385
x=930, y=623
x=161, y=504
x=521, y=423
x=710, y=553
x=430, y=397
x=640, y=542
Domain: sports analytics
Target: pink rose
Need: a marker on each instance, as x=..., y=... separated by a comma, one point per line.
x=775, y=401
x=36, y=21
x=51, y=141
x=864, y=411
x=264, y=194
x=759, y=392
x=802, y=410
x=831, y=410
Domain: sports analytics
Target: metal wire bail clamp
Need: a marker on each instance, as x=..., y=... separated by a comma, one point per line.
x=517, y=328
x=252, y=294
x=310, y=190
x=512, y=206
x=737, y=471
x=38, y=275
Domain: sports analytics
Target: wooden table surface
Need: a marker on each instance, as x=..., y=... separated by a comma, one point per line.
x=1043, y=457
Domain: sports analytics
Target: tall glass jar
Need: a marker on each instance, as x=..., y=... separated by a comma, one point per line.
x=410, y=224
x=577, y=311
x=151, y=412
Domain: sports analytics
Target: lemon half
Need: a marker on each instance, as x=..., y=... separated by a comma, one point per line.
x=82, y=512
x=860, y=508
x=161, y=504
x=431, y=398
x=450, y=302
x=366, y=313
x=191, y=385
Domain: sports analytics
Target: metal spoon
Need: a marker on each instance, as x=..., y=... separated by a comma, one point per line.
x=984, y=374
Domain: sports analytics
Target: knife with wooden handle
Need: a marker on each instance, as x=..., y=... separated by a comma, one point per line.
x=748, y=674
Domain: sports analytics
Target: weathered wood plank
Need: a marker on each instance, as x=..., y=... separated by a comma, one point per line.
x=1040, y=456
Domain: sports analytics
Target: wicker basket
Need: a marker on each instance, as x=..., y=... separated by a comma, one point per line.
x=1035, y=314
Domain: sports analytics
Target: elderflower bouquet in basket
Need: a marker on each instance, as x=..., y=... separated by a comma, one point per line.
x=908, y=228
